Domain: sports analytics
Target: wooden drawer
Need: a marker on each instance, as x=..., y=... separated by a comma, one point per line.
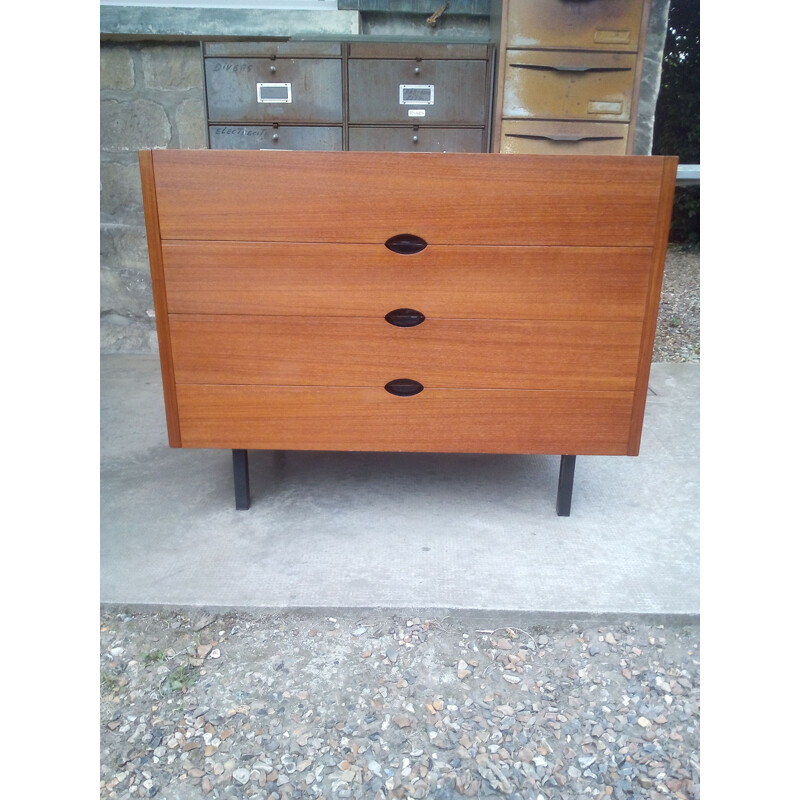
x=558, y=85
x=470, y=354
x=269, y=137
x=579, y=24
x=433, y=92
x=442, y=197
x=557, y=137
x=436, y=420
x=421, y=139
x=281, y=89
x=352, y=280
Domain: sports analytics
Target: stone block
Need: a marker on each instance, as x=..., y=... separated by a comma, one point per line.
x=124, y=247
x=126, y=292
x=190, y=123
x=121, y=194
x=116, y=67
x=133, y=125
x=178, y=66
x=120, y=334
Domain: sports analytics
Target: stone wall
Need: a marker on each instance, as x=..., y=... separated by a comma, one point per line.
x=151, y=96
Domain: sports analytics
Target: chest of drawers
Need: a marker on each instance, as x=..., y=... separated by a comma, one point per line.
x=427, y=302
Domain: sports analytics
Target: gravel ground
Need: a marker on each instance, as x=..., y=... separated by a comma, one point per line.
x=384, y=706
x=678, y=328
x=381, y=706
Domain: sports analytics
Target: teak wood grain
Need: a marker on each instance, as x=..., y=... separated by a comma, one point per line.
x=446, y=198
x=441, y=281
x=472, y=354
x=540, y=285
x=437, y=420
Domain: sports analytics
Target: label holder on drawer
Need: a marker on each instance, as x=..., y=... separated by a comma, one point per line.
x=274, y=92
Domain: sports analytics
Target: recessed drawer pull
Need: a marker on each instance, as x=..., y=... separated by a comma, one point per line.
x=405, y=317
x=570, y=68
x=404, y=387
x=563, y=137
x=406, y=244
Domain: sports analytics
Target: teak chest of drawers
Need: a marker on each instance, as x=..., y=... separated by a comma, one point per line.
x=429, y=302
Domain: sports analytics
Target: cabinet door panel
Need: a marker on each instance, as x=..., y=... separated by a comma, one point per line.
x=592, y=24
x=458, y=96
x=421, y=139
x=435, y=420
x=292, y=89
x=557, y=137
x=267, y=137
x=546, y=85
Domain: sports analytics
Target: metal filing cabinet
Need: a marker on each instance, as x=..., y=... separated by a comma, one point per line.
x=569, y=76
x=274, y=95
x=418, y=97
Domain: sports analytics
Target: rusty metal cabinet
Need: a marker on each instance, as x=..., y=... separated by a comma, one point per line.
x=568, y=76
x=274, y=95
x=419, y=97
x=362, y=96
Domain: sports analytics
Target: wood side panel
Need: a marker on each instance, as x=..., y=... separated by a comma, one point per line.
x=446, y=198
x=365, y=280
x=436, y=420
x=670, y=169
x=150, y=200
x=469, y=354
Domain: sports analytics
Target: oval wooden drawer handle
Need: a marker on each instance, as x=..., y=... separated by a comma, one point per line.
x=406, y=244
x=404, y=387
x=405, y=317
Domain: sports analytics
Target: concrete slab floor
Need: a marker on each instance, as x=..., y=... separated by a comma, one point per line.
x=397, y=530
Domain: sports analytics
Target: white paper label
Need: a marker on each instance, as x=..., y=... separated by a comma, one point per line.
x=416, y=112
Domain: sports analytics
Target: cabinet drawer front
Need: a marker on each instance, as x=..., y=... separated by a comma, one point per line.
x=267, y=137
x=419, y=139
x=273, y=49
x=443, y=197
x=450, y=353
x=436, y=420
x=458, y=96
x=546, y=85
x=441, y=281
x=597, y=24
x=556, y=137
x=305, y=90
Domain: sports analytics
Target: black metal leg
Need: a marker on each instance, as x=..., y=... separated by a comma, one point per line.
x=566, y=474
x=241, y=479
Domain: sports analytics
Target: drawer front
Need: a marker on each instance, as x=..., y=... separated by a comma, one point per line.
x=418, y=139
x=273, y=49
x=582, y=283
x=593, y=24
x=343, y=197
x=436, y=420
x=451, y=353
x=437, y=92
x=269, y=137
x=557, y=137
x=418, y=50
x=545, y=85
x=282, y=89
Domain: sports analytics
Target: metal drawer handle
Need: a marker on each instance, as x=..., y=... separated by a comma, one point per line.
x=405, y=317
x=404, y=387
x=570, y=68
x=406, y=244
x=563, y=137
